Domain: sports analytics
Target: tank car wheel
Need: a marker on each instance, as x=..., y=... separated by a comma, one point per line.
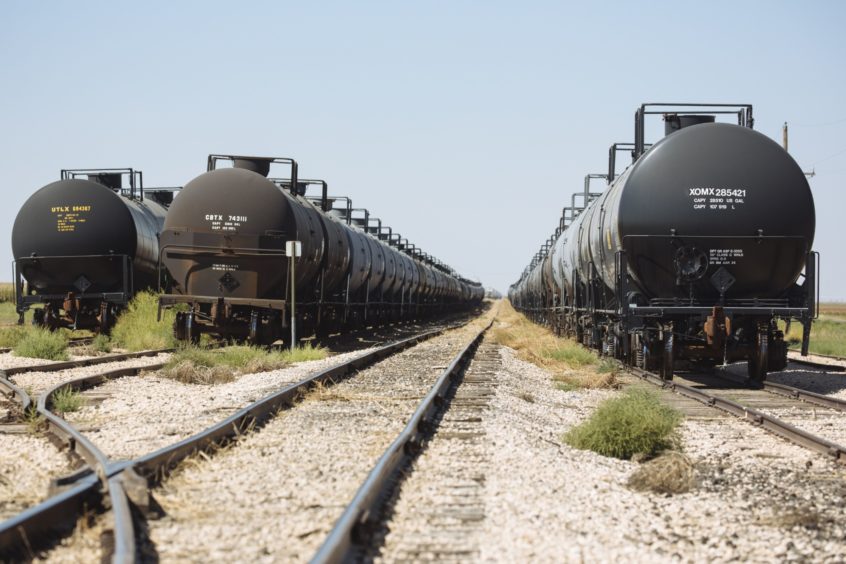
x=38, y=317
x=758, y=363
x=668, y=357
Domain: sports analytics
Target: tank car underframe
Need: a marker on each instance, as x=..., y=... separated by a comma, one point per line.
x=664, y=337
x=263, y=321
x=74, y=310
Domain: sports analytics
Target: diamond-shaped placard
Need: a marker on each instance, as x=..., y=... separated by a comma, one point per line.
x=228, y=281
x=722, y=280
x=82, y=283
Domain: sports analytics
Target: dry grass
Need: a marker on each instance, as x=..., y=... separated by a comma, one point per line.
x=572, y=365
x=7, y=292
x=670, y=473
x=785, y=518
x=195, y=365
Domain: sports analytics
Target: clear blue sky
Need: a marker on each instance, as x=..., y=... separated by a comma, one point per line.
x=464, y=125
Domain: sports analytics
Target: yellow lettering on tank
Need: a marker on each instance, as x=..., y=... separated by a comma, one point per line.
x=68, y=217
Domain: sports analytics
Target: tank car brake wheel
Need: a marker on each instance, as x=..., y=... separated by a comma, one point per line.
x=667, y=358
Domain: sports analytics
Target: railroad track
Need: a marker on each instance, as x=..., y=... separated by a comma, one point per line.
x=113, y=484
x=363, y=520
x=79, y=490
x=827, y=362
x=752, y=405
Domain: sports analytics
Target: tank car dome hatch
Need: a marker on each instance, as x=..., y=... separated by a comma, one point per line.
x=258, y=165
x=674, y=122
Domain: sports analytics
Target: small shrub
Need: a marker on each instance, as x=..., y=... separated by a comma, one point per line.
x=137, y=329
x=11, y=336
x=571, y=353
x=526, y=396
x=636, y=422
x=41, y=343
x=101, y=343
x=607, y=365
x=34, y=421
x=304, y=353
x=669, y=473
x=67, y=400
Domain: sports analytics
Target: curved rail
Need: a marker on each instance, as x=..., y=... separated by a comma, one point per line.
x=59, y=513
x=350, y=529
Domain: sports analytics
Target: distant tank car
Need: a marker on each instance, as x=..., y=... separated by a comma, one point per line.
x=84, y=245
x=691, y=255
x=224, y=246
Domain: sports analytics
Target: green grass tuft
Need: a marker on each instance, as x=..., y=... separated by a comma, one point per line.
x=137, y=329
x=101, y=344
x=636, y=422
x=66, y=400
x=195, y=365
x=11, y=336
x=571, y=353
x=41, y=343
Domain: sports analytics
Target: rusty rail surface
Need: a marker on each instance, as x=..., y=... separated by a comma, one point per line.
x=350, y=532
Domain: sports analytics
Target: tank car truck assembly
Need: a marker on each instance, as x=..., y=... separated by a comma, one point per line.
x=691, y=255
x=224, y=244
x=83, y=246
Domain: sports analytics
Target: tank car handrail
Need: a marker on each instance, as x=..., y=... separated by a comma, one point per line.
x=71, y=173
x=743, y=112
x=212, y=164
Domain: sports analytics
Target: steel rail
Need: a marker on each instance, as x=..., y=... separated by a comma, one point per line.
x=351, y=529
x=765, y=421
x=153, y=466
x=68, y=364
x=59, y=513
x=822, y=365
x=9, y=388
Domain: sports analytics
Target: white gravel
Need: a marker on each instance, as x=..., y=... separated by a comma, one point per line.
x=35, y=383
x=27, y=465
x=144, y=413
x=553, y=503
x=295, y=475
x=812, y=379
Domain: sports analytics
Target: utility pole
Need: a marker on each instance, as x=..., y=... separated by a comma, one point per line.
x=784, y=135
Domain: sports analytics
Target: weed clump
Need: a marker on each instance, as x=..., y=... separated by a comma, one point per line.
x=11, y=336
x=67, y=400
x=196, y=365
x=669, y=473
x=101, y=344
x=41, y=343
x=636, y=422
x=137, y=328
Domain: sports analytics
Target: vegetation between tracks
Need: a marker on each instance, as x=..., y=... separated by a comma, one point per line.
x=195, y=365
x=66, y=400
x=637, y=422
x=41, y=343
x=572, y=365
x=137, y=328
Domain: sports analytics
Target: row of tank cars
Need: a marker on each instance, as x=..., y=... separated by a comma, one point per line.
x=216, y=251
x=690, y=256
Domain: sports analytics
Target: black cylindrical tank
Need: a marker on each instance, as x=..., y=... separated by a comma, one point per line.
x=76, y=218
x=708, y=198
x=239, y=221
